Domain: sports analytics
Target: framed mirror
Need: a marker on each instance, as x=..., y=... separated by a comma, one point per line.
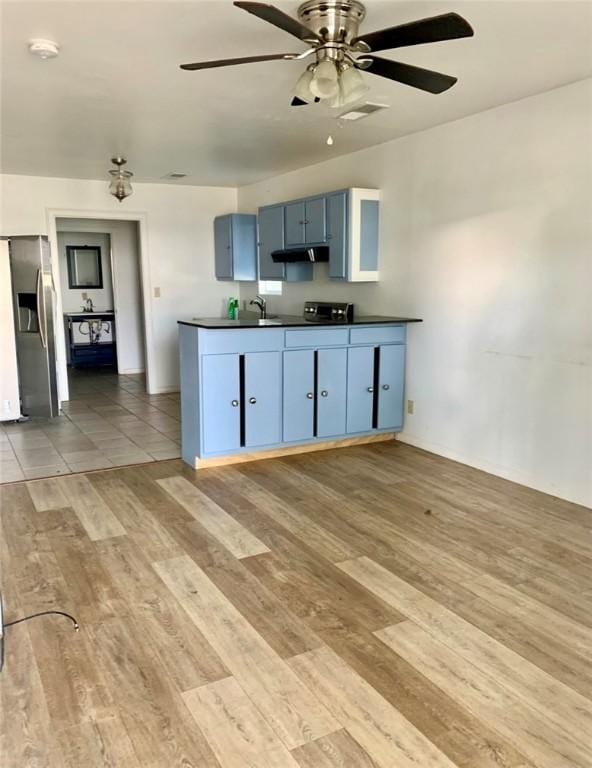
x=84, y=266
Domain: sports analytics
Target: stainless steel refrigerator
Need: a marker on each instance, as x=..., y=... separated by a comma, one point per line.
x=34, y=307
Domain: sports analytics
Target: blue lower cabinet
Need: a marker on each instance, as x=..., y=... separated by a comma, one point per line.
x=391, y=386
x=331, y=391
x=220, y=392
x=298, y=395
x=360, y=388
x=263, y=398
x=243, y=390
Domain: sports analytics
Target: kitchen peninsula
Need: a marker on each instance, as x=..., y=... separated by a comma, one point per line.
x=254, y=388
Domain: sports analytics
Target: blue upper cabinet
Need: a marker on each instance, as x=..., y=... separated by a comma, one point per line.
x=346, y=220
x=352, y=234
x=271, y=238
x=223, y=247
x=306, y=222
x=315, y=220
x=235, y=246
x=337, y=234
x=295, y=217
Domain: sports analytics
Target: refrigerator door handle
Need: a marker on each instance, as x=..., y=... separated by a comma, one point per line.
x=40, y=317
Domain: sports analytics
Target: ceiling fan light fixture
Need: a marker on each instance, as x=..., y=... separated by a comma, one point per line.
x=325, y=80
x=302, y=89
x=352, y=86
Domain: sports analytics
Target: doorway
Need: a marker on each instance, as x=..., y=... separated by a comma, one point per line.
x=103, y=311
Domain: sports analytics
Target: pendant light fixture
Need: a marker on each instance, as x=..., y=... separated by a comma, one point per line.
x=120, y=186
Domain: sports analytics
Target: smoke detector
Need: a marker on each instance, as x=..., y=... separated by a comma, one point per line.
x=44, y=49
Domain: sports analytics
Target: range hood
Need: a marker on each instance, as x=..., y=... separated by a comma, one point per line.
x=308, y=255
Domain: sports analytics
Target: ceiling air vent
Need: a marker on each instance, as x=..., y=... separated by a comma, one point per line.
x=174, y=176
x=362, y=111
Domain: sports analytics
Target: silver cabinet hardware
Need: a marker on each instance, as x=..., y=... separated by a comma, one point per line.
x=370, y=389
x=234, y=403
x=252, y=400
x=386, y=386
x=310, y=395
x=324, y=393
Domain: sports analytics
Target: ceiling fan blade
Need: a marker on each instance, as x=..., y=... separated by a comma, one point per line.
x=280, y=19
x=296, y=102
x=425, y=79
x=243, y=60
x=448, y=26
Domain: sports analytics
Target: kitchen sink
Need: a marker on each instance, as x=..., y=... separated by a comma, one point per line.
x=269, y=321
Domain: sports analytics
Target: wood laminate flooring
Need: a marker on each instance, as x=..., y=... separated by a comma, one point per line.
x=370, y=607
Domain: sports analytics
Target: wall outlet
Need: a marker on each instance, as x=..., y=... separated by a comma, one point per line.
x=410, y=406
x=157, y=292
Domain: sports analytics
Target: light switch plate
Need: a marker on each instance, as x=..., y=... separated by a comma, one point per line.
x=157, y=292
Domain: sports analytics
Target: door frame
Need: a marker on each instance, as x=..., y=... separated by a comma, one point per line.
x=53, y=214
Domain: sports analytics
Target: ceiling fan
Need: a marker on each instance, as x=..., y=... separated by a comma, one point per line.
x=338, y=52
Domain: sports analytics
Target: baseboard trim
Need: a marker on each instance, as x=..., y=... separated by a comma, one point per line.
x=507, y=473
x=274, y=453
x=130, y=371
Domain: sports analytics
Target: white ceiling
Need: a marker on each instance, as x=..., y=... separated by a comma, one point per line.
x=117, y=88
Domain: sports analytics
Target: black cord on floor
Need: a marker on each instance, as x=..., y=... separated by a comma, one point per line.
x=44, y=613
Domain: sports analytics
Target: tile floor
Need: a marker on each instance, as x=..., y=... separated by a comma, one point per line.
x=109, y=421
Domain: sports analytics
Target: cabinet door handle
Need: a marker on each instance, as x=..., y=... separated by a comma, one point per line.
x=234, y=403
x=252, y=400
x=386, y=386
x=310, y=395
x=370, y=389
x=324, y=393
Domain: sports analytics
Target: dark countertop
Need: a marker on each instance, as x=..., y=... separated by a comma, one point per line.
x=291, y=321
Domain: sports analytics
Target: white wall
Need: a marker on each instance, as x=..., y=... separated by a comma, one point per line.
x=177, y=247
x=72, y=300
x=9, y=384
x=486, y=234
x=125, y=294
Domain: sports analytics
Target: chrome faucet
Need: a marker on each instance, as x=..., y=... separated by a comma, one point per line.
x=89, y=306
x=260, y=302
